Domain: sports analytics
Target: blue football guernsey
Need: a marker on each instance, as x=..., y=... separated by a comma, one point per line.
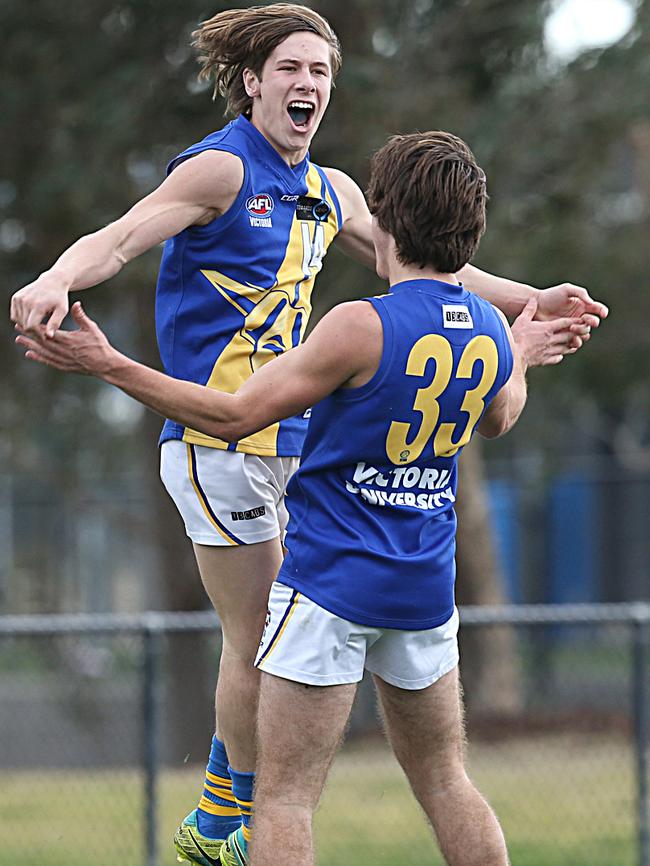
x=235, y=293
x=371, y=535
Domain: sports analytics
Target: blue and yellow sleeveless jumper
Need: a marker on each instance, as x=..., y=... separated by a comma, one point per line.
x=234, y=294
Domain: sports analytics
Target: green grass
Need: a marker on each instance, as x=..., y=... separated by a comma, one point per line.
x=562, y=802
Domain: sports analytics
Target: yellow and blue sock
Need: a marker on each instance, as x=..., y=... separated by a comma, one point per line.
x=242, y=787
x=217, y=814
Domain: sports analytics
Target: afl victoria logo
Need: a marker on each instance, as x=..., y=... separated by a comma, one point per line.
x=260, y=205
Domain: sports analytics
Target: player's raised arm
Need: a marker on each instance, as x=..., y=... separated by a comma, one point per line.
x=345, y=347
x=507, y=405
x=355, y=236
x=534, y=344
x=197, y=191
x=565, y=304
x=562, y=301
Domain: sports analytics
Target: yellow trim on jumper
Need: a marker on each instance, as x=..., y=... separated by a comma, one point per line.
x=289, y=299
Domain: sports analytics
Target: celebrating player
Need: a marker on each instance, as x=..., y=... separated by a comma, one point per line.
x=248, y=218
x=398, y=383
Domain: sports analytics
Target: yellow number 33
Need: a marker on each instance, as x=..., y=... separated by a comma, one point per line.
x=435, y=347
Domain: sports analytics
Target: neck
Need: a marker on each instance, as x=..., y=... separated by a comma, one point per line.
x=291, y=157
x=399, y=273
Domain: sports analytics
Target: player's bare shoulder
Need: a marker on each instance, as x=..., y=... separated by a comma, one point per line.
x=212, y=179
x=353, y=332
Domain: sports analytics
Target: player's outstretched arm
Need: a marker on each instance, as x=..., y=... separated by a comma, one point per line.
x=565, y=301
x=558, y=303
x=194, y=193
x=342, y=348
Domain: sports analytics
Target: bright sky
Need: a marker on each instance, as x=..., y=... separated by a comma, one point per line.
x=576, y=25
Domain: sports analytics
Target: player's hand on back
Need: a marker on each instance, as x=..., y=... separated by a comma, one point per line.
x=45, y=301
x=85, y=350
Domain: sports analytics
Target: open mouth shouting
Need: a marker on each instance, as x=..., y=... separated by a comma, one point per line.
x=301, y=112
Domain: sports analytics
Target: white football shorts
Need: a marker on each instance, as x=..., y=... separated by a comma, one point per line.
x=305, y=643
x=225, y=497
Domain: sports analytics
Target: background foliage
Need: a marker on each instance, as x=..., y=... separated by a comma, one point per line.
x=98, y=95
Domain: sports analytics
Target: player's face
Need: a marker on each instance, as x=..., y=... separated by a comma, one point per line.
x=291, y=96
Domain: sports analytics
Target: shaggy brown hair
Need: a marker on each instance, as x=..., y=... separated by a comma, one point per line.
x=239, y=39
x=427, y=191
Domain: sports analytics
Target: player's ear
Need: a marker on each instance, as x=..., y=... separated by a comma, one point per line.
x=251, y=83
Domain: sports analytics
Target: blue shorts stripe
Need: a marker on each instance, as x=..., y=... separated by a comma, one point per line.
x=206, y=503
x=294, y=596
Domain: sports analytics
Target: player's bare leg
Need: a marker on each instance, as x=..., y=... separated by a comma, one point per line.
x=238, y=580
x=300, y=729
x=425, y=729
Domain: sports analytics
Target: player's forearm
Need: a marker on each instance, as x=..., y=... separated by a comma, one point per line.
x=518, y=392
x=508, y=295
x=89, y=261
x=204, y=409
x=508, y=405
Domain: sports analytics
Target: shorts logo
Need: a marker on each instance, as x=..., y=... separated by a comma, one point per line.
x=251, y=514
x=456, y=316
x=267, y=622
x=260, y=208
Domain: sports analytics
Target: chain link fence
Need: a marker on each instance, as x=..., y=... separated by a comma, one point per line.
x=95, y=764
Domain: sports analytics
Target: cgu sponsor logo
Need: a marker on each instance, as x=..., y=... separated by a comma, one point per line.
x=260, y=208
x=377, y=488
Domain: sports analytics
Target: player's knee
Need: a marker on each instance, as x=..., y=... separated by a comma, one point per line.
x=438, y=761
x=439, y=780
x=240, y=650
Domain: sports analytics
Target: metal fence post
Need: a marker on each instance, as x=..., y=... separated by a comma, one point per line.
x=641, y=721
x=150, y=737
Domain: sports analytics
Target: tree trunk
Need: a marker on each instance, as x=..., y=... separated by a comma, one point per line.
x=489, y=658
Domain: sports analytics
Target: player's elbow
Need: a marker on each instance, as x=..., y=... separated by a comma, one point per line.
x=494, y=426
x=223, y=417
x=498, y=423
x=503, y=412
x=230, y=429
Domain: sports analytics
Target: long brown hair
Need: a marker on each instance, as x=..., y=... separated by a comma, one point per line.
x=427, y=191
x=239, y=39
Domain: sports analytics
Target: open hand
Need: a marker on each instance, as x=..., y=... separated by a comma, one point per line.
x=569, y=301
x=547, y=342
x=85, y=350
